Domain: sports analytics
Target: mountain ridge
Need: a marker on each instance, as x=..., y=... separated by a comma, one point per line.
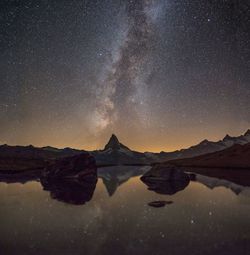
x=236, y=156
x=116, y=153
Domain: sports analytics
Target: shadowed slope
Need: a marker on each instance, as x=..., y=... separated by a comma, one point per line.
x=237, y=156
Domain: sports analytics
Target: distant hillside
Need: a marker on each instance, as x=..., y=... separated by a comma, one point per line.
x=237, y=156
x=28, y=152
x=30, y=157
x=205, y=147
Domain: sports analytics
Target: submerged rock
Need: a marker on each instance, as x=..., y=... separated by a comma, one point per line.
x=165, y=180
x=159, y=203
x=71, y=167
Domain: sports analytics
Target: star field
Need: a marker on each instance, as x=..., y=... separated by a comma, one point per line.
x=161, y=75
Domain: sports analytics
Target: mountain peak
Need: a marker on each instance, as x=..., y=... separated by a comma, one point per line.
x=227, y=137
x=204, y=142
x=114, y=138
x=247, y=133
x=114, y=144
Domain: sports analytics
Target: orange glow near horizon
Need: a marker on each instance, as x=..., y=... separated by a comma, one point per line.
x=154, y=143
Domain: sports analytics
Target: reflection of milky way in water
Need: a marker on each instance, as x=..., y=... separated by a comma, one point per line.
x=198, y=219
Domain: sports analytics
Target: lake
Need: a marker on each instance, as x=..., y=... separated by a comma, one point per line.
x=208, y=216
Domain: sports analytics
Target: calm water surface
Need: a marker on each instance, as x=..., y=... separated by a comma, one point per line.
x=207, y=217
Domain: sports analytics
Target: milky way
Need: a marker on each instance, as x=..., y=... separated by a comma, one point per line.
x=161, y=75
x=124, y=89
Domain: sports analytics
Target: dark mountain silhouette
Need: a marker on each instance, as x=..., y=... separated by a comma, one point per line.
x=114, y=153
x=205, y=147
x=247, y=133
x=237, y=156
x=27, y=152
x=114, y=144
x=117, y=153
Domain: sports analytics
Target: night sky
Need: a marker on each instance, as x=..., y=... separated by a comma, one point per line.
x=161, y=75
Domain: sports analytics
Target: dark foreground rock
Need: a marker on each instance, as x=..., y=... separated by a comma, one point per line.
x=77, y=166
x=72, y=179
x=160, y=203
x=71, y=191
x=165, y=180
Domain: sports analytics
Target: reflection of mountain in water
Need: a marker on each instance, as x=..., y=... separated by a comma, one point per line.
x=212, y=183
x=20, y=176
x=114, y=176
x=169, y=179
x=72, y=191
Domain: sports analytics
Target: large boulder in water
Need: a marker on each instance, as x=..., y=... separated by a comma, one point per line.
x=77, y=166
x=165, y=180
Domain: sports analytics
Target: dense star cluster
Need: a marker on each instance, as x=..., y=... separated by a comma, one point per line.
x=161, y=74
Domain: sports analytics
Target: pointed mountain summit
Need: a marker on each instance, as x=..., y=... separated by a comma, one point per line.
x=115, y=153
x=114, y=144
x=247, y=133
x=228, y=137
x=204, y=142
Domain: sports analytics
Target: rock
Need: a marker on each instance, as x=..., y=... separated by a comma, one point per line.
x=77, y=166
x=165, y=180
x=71, y=191
x=159, y=203
x=164, y=173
